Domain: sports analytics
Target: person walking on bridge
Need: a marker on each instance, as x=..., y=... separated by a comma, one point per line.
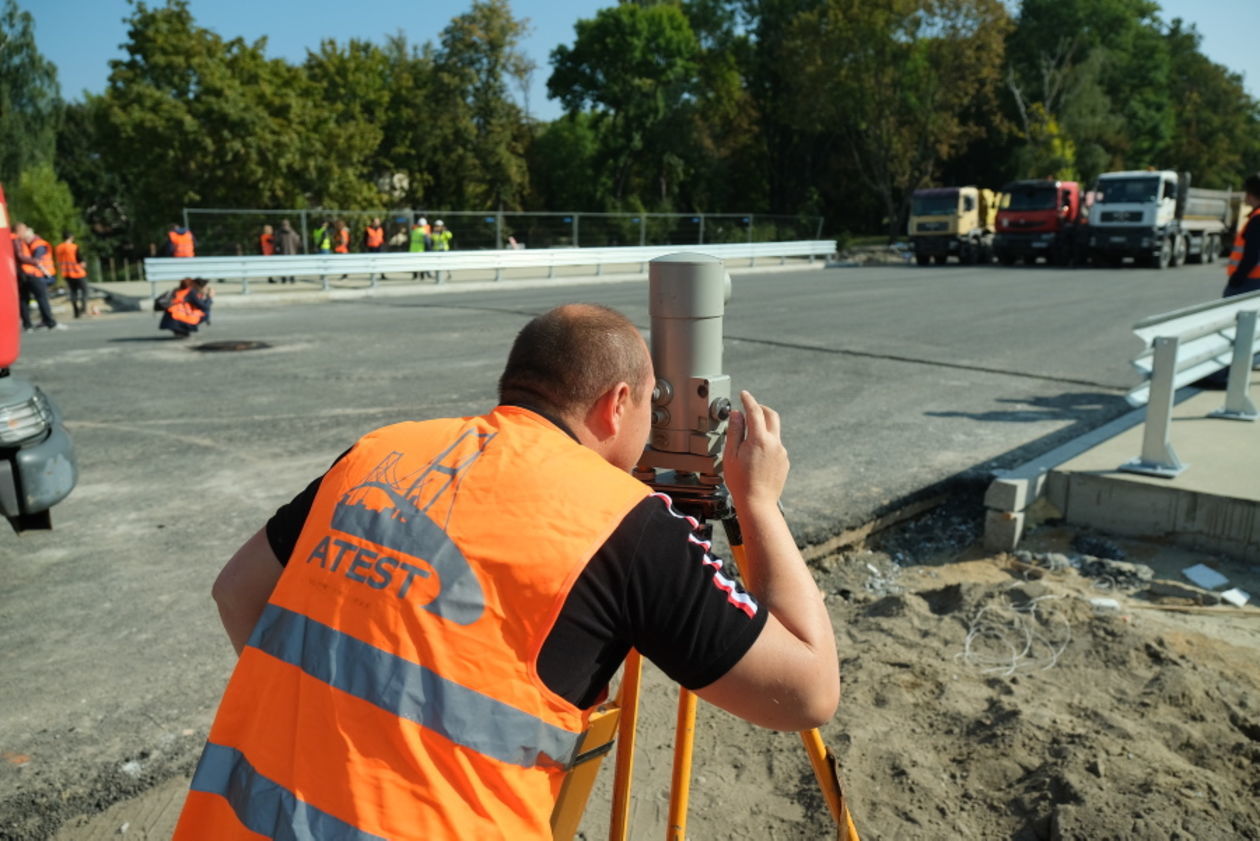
x=1243, y=268
x=73, y=269
x=425, y=629
x=35, y=271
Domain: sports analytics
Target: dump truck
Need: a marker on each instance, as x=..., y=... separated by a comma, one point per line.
x=1156, y=218
x=952, y=221
x=1040, y=218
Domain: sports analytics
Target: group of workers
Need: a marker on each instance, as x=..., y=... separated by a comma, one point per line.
x=39, y=265
x=334, y=237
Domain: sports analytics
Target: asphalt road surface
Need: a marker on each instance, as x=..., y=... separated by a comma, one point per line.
x=890, y=380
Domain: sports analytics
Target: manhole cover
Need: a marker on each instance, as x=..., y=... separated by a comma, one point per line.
x=212, y=347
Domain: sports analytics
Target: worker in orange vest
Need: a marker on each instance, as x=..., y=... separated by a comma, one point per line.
x=35, y=259
x=341, y=238
x=73, y=270
x=374, y=237
x=430, y=624
x=267, y=241
x=189, y=307
x=1243, y=269
x=180, y=242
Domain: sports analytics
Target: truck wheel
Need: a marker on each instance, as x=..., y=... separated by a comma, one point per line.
x=922, y=259
x=1164, y=257
x=967, y=254
x=942, y=259
x=1180, y=248
x=1211, y=249
x=1005, y=258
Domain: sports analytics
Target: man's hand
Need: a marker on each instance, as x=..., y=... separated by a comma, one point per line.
x=755, y=460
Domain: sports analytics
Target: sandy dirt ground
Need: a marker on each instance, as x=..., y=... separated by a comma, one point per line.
x=985, y=697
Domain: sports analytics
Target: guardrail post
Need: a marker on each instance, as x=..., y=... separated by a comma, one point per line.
x=1238, y=404
x=1158, y=457
x=244, y=279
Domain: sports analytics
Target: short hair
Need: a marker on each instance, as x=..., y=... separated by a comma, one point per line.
x=1252, y=184
x=564, y=359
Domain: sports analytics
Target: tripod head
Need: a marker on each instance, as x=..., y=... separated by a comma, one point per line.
x=691, y=402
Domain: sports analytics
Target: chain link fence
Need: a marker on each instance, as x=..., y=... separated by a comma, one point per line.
x=224, y=232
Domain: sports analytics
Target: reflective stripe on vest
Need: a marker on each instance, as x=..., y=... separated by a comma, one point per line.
x=261, y=805
x=181, y=244
x=397, y=651
x=68, y=262
x=1236, y=253
x=45, y=259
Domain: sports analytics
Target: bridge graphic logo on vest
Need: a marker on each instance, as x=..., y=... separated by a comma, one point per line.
x=407, y=513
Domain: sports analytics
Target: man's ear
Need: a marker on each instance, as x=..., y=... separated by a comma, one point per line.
x=609, y=410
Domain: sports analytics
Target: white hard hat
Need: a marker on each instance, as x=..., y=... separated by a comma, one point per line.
x=422, y=221
x=438, y=222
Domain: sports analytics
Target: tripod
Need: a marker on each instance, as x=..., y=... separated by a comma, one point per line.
x=702, y=497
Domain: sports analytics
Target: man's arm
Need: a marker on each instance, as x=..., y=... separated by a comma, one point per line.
x=790, y=678
x=243, y=587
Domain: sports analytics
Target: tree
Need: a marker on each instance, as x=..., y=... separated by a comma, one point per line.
x=482, y=133
x=29, y=96
x=636, y=67
x=1218, y=123
x=903, y=81
x=191, y=119
x=43, y=201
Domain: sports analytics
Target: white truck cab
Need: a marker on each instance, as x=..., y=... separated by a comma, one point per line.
x=1155, y=217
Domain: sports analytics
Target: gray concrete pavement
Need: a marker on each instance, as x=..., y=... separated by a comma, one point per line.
x=889, y=379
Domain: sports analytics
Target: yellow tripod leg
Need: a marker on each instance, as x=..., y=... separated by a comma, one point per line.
x=680, y=785
x=628, y=700
x=820, y=759
x=576, y=789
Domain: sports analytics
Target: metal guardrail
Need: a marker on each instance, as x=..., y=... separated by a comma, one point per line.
x=1183, y=347
x=165, y=270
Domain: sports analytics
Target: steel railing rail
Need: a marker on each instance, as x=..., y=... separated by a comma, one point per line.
x=1183, y=347
x=166, y=270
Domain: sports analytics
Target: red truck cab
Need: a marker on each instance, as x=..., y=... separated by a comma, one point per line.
x=1040, y=218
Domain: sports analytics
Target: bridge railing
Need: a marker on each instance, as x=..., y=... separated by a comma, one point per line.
x=1183, y=347
x=160, y=271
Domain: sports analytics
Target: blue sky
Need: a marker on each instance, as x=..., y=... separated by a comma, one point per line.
x=81, y=36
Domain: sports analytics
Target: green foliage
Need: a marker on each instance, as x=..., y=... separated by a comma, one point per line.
x=636, y=66
x=43, y=201
x=29, y=96
x=791, y=107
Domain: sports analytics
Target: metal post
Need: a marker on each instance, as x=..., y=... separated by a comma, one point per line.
x=1158, y=457
x=306, y=237
x=1238, y=403
x=701, y=230
x=575, y=231
x=244, y=280
x=498, y=231
x=752, y=258
x=642, y=230
x=186, y=225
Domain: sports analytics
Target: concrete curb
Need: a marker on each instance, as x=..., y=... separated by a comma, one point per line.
x=1013, y=492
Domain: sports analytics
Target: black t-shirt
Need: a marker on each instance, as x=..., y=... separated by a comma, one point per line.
x=654, y=586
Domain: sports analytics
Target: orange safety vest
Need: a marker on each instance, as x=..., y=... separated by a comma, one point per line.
x=45, y=259
x=390, y=688
x=1236, y=253
x=375, y=237
x=181, y=310
x=68, y=261
x=181, y=244
x=343, y=241
x=267, y=242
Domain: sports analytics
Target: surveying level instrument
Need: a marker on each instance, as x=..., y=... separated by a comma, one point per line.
x=687, y=295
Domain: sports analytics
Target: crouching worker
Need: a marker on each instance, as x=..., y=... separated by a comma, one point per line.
x=189, y=307
x=424, y=630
